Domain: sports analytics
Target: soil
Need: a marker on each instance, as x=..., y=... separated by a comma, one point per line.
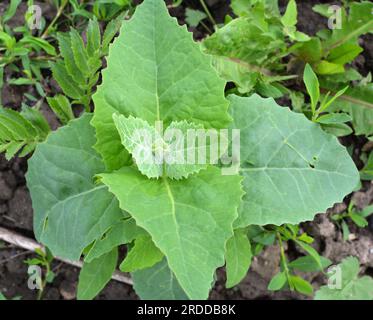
x=16, y=208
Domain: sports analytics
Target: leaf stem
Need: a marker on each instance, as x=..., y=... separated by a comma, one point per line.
x=283, y=259
x=59, y=12
x=203, y=4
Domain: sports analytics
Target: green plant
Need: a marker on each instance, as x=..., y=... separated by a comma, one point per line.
x=91, y=193
x=78, y=72
x=357, y=217
x=345, y=284
x=43, y=259
x=20, y=132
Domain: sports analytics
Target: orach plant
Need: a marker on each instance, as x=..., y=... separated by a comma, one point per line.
x=90, y=193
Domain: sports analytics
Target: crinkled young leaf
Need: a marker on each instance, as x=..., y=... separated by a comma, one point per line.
x=144, y=254
x=70, y=210
x=150, y=65
x=159, y=153
x=347, y=285
x=288, y=164
x=238, y=257
x=157, y=283
x=189, y=220
x=96, y=274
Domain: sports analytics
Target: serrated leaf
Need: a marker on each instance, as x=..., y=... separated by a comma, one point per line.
x=93, y=38
x=238, y=257
x=192, y=221
x=288, y=164
x=121, y=233
x=70, y=211
x=64, y=44
x=154, y=84
x=346, y=284
x=159, y=153
x=61, y=107
x=157, y=283
x=95, y=275
x=65, y=81
x=80, y=52
x=144, y=254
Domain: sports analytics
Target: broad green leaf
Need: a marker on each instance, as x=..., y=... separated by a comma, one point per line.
x=238, y=257
x=189, y=220
x=289, y=19
x=147, y=79
x=121, y=233
x=277, y=282
x=345, y=284
x=95, y=275
x=144, y=254
x=70, y=210
x=157, y=283
x=288, y=164
x=309, y=264
x=312, y=85
x=162, y=153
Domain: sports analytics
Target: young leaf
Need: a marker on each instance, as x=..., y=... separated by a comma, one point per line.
x=65, y=81
x=192, y=222
x=160, y=154
x=80, y=52
x=296, y=174
x=238, y=257
x=359, y=220
x=309, y=264
x=144, y=254
x=70, y=211
x=346, y=285
x=194, y=17
x=301, y=285
x=156, y=91
x=61, y=107
x=312, y=86
x=289, y=19
x=93, y=38
x=96, y=274
x=332, y=118
x=277, y=282
x=157, y=283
